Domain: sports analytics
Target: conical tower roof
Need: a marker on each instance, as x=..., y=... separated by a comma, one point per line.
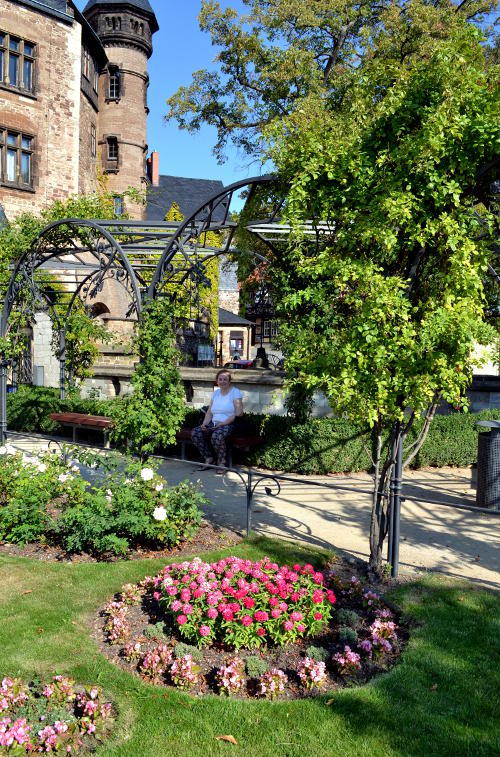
x=141, y=5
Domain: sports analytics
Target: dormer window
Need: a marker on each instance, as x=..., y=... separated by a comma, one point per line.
x=114, y=83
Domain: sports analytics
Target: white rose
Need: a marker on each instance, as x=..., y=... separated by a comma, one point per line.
x=109, y=492
x=63, y=477
x=75, y=468
x=3, y=450
x=159, y=487
x=147, y=474
x=42, y=468
x=159, y=513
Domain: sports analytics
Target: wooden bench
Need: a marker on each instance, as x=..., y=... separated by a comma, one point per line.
x=234, y=441
x=81, y=420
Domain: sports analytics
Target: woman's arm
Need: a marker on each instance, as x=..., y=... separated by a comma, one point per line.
x=208, y=415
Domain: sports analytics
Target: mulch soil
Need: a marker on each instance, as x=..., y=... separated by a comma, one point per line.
x=207, y=538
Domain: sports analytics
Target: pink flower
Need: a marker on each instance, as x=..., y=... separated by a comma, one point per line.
x=227, y=614
x=318, y=597
x=187, y=609
x=212, y=613
x=261, y=631
x=288, y=625
x=176, y=605
x=204, y=631
x=261, y=616
x=181, y=619
x=274, y=601
x=296, y=616
x=301, y=627
x=275, y=613
x=249, y=603
x=246, y=620
x=317, y=616
x=283, y=606
x=185, y=595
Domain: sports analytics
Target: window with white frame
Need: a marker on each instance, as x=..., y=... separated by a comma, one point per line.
x=16, y=158
x=114, y=83
x=269, y=329
x=17, y=62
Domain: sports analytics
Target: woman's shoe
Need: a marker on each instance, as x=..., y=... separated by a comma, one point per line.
x=206, y=466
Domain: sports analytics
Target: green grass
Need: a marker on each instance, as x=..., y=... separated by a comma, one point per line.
x=442, y=699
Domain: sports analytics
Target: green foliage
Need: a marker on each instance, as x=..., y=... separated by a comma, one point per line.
x=148, y=418
x=299, y=401
x=348, y=618
x=44, y=498
x=156, y=631
x=348, y=636
x=181, y=649
x=82, y=336
x=174, y=213
x=320, y=654
x=254, y=666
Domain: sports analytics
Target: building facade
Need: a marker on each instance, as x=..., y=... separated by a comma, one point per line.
x=73, y=100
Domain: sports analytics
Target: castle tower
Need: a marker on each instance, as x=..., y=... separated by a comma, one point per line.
x=125, y=28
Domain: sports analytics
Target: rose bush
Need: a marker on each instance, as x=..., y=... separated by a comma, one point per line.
x=44, y=496
x=242, y=603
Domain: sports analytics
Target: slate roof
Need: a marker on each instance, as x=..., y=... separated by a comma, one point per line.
x=142, y=5
x=226, y=318
x=189, y=194
x=57, y=8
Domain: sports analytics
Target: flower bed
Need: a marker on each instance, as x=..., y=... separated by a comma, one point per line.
x=252, y=629
x=56, y=717
x=45, y=497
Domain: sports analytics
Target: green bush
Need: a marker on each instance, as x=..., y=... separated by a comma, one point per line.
x=42, y=497
x=320, y=654
x=181, y=650
x=254, y=666
x=348, y=618
x=348, y=636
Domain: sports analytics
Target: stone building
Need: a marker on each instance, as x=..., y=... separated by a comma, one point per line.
x=73, y=100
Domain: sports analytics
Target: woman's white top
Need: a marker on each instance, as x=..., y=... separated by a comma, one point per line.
x=223, y=404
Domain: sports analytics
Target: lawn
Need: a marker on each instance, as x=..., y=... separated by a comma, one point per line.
x=442, y=698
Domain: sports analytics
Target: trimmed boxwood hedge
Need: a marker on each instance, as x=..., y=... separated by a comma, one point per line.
x=322, y=445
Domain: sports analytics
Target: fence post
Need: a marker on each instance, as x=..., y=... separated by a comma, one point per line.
x=398, y=471
x=249, y=502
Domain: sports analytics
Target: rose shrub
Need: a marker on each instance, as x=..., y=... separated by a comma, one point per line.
x=242, y=603
x=44, y=496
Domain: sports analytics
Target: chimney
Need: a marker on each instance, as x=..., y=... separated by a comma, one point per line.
x=153, y=163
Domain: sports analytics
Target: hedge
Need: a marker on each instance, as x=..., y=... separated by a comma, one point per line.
x=322, y=445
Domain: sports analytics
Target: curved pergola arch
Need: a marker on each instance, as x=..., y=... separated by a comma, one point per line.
x=144, y=256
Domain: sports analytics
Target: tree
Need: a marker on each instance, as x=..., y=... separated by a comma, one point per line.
x=276, y=55
x=383, y=122
x=383, y=309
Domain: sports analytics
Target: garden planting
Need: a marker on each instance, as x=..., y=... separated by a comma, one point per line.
x=45, y=498
x=57, y=717
x=242, y=628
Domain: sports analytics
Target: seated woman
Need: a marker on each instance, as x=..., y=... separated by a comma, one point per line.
x=225, y=405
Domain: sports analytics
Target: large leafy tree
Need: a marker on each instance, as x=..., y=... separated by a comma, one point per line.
x=384, y=308
x=279, y=52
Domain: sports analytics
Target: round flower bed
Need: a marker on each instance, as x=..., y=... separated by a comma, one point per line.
x=250, y=629
x=55, y=717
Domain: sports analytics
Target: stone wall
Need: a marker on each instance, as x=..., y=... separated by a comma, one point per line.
x=88, y=162
x=51, y=115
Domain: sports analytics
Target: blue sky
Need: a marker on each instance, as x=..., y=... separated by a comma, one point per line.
x=180, y=48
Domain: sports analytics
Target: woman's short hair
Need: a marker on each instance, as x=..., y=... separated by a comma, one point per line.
x=219, y=373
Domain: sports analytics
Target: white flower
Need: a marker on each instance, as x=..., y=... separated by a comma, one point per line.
x=63, y=477
x=10, y=449
x=147, y=474
x=109, y=492
x=75, y=468
x=159, y=487
x=3, y=450
x=110, y=499
x=159, y=513
x=42, y=468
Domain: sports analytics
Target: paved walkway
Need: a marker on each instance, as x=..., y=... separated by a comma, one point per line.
x=459, y=543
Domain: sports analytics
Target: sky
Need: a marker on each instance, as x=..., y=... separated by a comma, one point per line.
x=179, y=49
